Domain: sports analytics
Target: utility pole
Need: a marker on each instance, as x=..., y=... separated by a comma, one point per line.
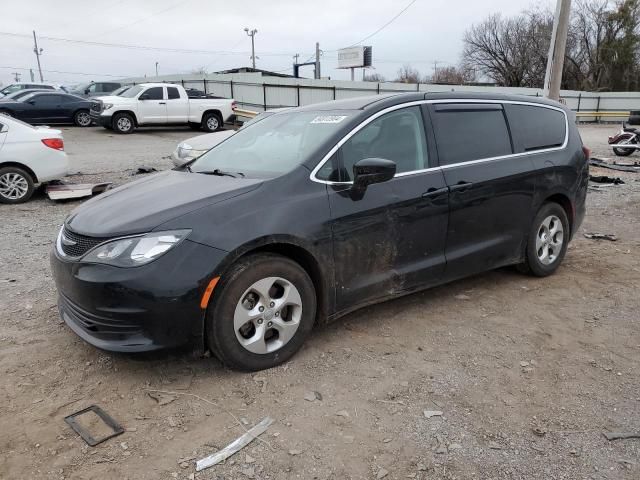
x=33, y=77
x=252, y=34
x=555, y=61
x=318, y=61
x=295, y=63
x=156, y=69
x=16, y=75
x=38, y=52
x=435, y=70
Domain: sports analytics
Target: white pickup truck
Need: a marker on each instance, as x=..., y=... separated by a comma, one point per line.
x=156, y=104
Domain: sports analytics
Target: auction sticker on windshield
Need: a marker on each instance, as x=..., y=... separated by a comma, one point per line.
x=329, y=119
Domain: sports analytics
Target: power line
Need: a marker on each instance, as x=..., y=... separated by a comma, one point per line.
x=69, y=73
x=383, y=26
x=176, y=5
x=142, y=47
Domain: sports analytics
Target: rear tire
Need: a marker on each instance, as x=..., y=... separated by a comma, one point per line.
x=82, y=118
x=547, y=242
x=623, y=152
x=262, y=311
x=16, y=185
x=123, y=123
x=212, y=122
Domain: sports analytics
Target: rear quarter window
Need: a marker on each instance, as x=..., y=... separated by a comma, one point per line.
x=536, y=128
x=466, y=132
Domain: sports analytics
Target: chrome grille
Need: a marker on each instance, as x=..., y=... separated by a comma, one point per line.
x=75, y=245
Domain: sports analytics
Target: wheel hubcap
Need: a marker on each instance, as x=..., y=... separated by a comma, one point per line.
x=124, y=124
x=84, y=119
x=13, y=186
x=549, y=240
x=267, y=315
x=212, y=123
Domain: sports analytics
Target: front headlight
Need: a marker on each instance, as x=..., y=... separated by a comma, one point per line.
x=135, y=251
x=107, y=106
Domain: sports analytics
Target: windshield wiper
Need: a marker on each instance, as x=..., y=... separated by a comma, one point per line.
x=222, y=173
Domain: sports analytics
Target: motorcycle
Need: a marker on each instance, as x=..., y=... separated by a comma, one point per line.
x=626, y=136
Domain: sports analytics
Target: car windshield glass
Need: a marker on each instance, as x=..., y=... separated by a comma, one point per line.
x=120, y=91
x=11, y=88
x=132, y=92
x=273, y=146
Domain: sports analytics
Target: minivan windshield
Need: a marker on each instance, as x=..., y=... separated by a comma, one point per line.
x=273, y=146
x=132, y=92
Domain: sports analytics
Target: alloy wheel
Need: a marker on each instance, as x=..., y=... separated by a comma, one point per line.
x=212, y=123
x=84, y=119
x=267, y=315
x=13, y=186
x=124, y=124
x=549, y=240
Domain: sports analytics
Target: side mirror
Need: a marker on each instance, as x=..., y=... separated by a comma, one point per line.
x=31, y=102
x=372, y=170
x=86, y=92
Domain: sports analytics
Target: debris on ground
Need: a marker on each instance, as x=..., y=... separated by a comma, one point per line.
x=144, y=169
x=64, y=191
x=312, y=396
x=601, y=236
x=235, y=446
x=432, y=413
x=606, y=179
x=621, y=435
x=627, y=167
x=94, y=425
x=162, y=398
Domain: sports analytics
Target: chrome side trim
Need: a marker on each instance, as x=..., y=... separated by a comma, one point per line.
x=312, y=175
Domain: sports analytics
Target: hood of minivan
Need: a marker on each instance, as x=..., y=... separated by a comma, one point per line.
x=141, y=206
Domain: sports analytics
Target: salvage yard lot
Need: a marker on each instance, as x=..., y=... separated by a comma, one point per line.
x=528, y=372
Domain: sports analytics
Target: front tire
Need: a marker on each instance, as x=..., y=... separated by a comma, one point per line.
x=547, y=242
x=123, y=123
x=212, y=122
x=262, y=311
x=82, y=118
x=16, y=185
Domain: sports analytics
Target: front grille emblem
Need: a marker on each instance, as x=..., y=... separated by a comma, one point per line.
x=68, y=242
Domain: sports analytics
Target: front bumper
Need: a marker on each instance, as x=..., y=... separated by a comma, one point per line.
x=138, y=309
x=99, y=119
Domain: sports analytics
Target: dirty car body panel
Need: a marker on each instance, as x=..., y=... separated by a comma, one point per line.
x=442, y=216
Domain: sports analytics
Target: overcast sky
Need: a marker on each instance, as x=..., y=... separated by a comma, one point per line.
x=428, y=31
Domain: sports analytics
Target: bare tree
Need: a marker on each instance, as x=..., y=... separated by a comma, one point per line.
x=408, y=74
x=374, y=77
x=453, y=76
x=603, y=46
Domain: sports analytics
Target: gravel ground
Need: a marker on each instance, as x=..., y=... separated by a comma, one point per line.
x=528, y=373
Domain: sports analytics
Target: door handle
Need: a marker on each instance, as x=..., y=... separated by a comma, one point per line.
x=162, y=103
x=434, y=192
x=461, y=186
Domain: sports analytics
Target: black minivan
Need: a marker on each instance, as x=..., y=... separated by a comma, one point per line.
x=316, y=211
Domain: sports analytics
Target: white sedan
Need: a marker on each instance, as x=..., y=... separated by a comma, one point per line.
x=28, y=155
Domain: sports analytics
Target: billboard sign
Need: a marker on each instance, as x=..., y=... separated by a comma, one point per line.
x=354, y=57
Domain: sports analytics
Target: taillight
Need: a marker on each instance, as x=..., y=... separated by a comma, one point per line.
x=55, y=143
x=587, y=152
x=234, y=105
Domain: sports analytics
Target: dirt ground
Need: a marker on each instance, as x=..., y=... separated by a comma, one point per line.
x=528, y=373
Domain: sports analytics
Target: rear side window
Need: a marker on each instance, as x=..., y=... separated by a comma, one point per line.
x=173, y=93
x=466, y=132
x=536, y=128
